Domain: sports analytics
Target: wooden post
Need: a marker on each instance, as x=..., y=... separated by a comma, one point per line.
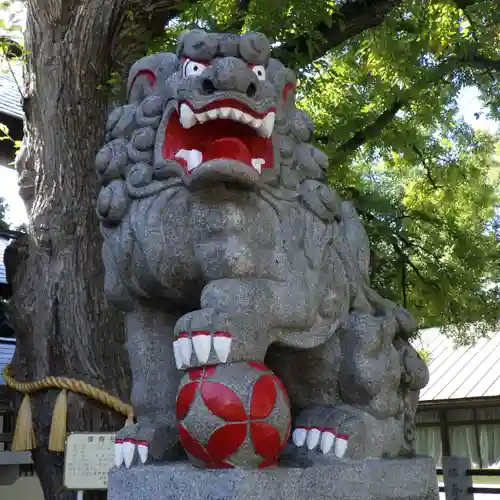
x=456, y=480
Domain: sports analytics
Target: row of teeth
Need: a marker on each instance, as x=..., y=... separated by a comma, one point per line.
x=263, y=126
x=326, y=440
x=194, y=158
x=201, y=343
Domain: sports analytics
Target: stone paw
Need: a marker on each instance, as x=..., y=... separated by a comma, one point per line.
x=132, y=445
x=207, y=347
x=326, y=440
x=211, y=337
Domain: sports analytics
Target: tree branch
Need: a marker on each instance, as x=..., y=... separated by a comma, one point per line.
x=371, y=131
x=237, y=20
x=425, y=163
x=463, y=4
x=351, y=19
x=375, y=129
x=422, y=278
x=480, y=62
x=405, y=260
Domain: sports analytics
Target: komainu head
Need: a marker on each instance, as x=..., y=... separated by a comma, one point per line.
x=220, y=110
x=225, y=101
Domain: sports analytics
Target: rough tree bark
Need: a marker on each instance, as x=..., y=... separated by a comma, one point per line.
x=64, y=326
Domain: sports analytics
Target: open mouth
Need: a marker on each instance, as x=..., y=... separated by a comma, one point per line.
x=223, y=129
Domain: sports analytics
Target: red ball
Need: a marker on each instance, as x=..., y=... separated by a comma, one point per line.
x=234, y=415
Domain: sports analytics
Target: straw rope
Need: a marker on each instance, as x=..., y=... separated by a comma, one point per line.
x=24, y=436
x=76, y=386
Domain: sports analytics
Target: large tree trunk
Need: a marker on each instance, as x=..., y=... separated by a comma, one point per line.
x=64, y=325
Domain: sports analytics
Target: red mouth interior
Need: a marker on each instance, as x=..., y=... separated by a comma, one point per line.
x=217, y=139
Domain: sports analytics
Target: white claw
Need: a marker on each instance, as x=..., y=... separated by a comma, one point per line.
x=128, y=453
x=340, y=446
x=327, y=440
x=202, y=344
x=178, y=355
x=118, y=454
x=222, y=346
x=185, y=349
x=187, y=117
x=299, y=437
x=143, y=452
x=313, y=439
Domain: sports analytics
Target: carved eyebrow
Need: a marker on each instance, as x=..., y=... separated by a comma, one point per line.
x=206, y=62
x=287, y=88
x=199, y=61
x=149, y=74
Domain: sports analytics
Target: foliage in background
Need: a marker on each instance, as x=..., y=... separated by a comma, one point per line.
x=426, y=184
x=11, y=49
x=386, y=106
x=425, y=355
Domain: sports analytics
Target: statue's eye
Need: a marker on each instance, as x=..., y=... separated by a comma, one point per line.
x=192, y=68
x=260, y=71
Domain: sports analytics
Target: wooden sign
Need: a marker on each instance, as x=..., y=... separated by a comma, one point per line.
x=88, y=459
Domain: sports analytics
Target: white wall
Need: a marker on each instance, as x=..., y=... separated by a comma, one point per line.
x=9, y=191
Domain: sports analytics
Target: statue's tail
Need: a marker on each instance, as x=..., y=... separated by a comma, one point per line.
x=357, y=240
x=358, y=267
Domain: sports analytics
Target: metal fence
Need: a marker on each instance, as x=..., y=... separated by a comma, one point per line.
x=457, y=473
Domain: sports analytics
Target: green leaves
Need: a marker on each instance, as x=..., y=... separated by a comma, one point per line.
x=4, y=132
x=426, y=184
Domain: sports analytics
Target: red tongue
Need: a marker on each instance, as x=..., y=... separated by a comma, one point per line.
x=228, y=147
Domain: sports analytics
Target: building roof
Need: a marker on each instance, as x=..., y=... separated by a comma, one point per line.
x=10, y=97
x=460, y=372
x=7, y=347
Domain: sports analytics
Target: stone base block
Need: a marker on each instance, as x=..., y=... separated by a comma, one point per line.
x=391, y=479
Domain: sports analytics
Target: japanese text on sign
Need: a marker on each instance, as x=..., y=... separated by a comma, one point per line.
x=88, y=460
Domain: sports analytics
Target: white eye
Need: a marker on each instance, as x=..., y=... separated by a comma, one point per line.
x=260, y=71
x=192, y=68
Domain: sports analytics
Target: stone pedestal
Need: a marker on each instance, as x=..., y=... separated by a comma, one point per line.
x=297, y=479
